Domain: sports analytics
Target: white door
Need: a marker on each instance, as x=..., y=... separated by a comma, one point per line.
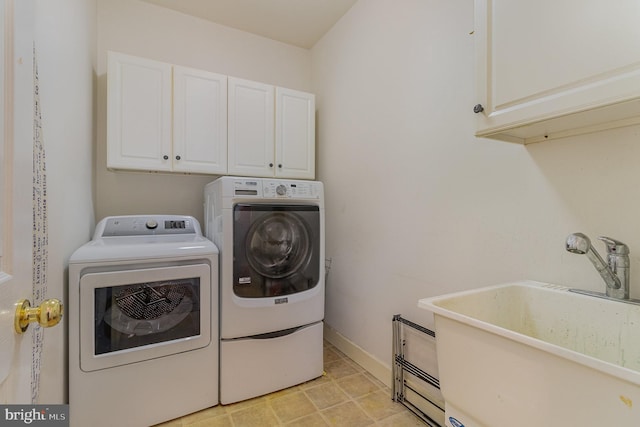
x=199, y=121
x=139, y=113
x=251, y=128
x=295, y=134
x=17, y=352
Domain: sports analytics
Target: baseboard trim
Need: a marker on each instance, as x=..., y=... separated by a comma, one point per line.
x=370, y=363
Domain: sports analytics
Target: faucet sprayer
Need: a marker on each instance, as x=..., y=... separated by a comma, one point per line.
x=614, y=272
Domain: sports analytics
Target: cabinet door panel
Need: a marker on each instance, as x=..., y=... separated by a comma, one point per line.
x=200, y=121
x=548, y=59
x=251, y=128
x=138, y=113
x=295, y=134
x=552, y=44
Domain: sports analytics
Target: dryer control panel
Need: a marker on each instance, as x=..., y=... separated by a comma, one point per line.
x=146, y=225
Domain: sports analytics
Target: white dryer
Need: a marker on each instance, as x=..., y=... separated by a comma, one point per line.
x=143, y=322
x=270, y=233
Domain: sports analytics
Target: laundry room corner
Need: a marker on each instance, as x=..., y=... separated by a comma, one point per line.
x=416, y=205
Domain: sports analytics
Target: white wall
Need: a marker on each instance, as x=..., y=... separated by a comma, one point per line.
x=417, y=206
x=146, y=30
x=65, y=41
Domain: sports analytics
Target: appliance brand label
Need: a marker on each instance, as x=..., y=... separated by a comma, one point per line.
x=284, y=301
x=455, y=423
x=244, y=280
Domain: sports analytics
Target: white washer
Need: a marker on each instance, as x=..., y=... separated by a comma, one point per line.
x=270, y=233
x=143, y=322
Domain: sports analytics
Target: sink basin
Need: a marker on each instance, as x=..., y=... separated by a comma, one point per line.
x=533, y=354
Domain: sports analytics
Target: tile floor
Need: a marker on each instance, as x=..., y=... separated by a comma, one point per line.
x=346, y=395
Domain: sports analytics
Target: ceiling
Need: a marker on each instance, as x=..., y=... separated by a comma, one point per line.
x=297, y=22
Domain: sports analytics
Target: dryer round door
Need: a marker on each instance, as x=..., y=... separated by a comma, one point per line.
x=278, y=245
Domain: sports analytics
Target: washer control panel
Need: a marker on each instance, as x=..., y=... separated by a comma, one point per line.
x=291, y=189
x=146, y=225
x=276, y=188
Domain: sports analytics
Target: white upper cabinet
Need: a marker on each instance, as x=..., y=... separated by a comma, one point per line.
x=138, y=113
x=271, y=131
x=295, y=134
x=553, y=68
x=251, y=121
x=165, y=118
x=199, y=121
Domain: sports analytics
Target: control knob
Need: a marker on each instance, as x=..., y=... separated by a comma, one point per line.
x=152, y=224
x=281, y=190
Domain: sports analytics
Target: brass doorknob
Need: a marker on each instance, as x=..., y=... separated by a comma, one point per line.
x=47, y=314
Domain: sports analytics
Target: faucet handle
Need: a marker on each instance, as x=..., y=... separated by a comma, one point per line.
x=614, y=247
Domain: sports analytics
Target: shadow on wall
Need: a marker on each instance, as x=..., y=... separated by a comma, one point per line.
x=595, y=179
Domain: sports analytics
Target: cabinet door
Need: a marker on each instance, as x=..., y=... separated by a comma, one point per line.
x=251, y=133
x=548, y=68
x=138, y=113
x=295, y=134
x=199, y=121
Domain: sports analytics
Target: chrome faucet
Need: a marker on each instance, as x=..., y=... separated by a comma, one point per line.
x=615, y=271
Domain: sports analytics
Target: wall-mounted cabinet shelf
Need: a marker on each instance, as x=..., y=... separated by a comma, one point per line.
x=271, y=131
x=555, y=68
x=167, y=118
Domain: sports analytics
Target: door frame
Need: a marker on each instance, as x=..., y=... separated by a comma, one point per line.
x=19, y=386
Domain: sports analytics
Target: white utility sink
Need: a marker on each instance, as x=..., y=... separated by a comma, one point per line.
x=533, y=354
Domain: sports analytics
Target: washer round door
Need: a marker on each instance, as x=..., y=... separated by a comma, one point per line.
x=278, y=245
x=276, y=250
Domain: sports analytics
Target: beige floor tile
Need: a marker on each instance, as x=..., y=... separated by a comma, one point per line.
x=357, y=385
x=326, y=395
x=379, y=405
x=339, y=368
x=376, y=381
x=345, y=396
x=313, y=420
x=334, y=348
x=291, y=406
x=315, y=382
x=238, y=406
x=402, y=419
x=330, y=354
x=172, y=423
x=346, y=415
x=204, y=414
x=220, y=421
x=256, y=415
x=280, y=393
x=354, y=365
